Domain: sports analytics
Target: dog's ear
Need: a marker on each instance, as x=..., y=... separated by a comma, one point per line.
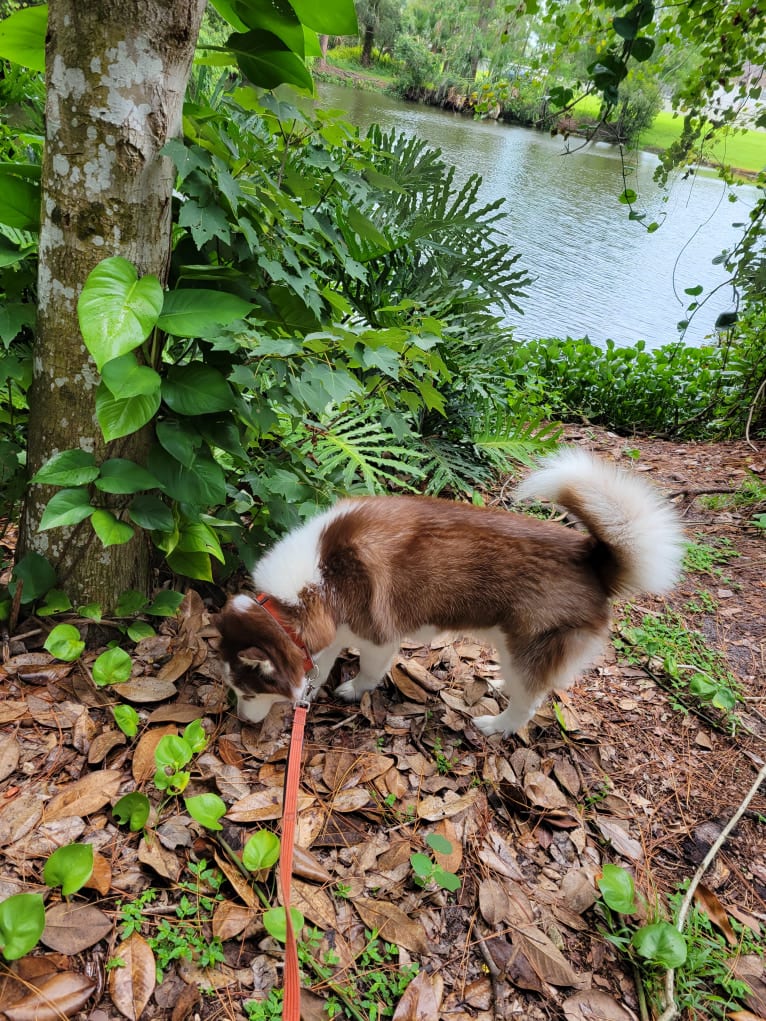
x=254, y=657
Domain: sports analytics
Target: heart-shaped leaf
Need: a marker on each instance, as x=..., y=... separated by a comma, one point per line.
x=116, y=310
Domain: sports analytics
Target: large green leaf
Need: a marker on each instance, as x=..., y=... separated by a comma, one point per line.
x=20, y=203
x=118, y=475
x=180, y=439
x=204, y=484
x=125, y=377
x=109, y=529
x=69, y=468
x=22, y=37
x=150, y=512
x=277, y=17
x=192, y=313
x=262, y=56
x=116, y=310
x=67, y=507
x=35, y=575
x=331, y=17
x=196, y=389
x=121, y=417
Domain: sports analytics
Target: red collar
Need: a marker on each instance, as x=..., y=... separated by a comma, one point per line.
x=267, y=603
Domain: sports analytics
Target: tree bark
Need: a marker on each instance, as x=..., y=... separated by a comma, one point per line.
x=368, y=40
x=116, y=74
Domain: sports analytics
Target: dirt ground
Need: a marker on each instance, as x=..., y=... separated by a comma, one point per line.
x=616, y=771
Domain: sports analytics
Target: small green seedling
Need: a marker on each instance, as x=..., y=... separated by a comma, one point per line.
x=173, y=753
x=69, y=867
x=112, y=667
x=133, y=809
x=22, y=920
x=275, y=922
x=64, y=642
x=261, y=851
x=206, y=809
x=658, y=944
x=427, y=870
x=127, y=719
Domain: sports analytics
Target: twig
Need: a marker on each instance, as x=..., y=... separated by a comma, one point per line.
x=495, y=975
x=693, y=491
x=670, y=1007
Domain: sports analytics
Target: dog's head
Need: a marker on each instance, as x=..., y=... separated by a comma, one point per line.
x=263, y=663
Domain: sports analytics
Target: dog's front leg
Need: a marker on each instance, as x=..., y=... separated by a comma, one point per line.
x=374, y=661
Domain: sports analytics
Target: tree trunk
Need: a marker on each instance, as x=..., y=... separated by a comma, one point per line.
x=324, y=45
x=367, y=43
x=116, y=77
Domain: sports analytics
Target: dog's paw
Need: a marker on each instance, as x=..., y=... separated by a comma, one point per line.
x=346, y=692
x=489, y=725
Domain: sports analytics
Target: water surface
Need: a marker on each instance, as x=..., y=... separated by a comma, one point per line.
x=596, y=273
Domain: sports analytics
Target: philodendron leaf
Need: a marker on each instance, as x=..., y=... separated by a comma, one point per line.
x=207, y=809
x=67, y=507
x=69, y=468
x=125, y=377
x=618, y=889
x=22, y=37
x=261, y=851
x=109, y=529
x=69, y=867
x=661, y=944
x=132, y=809
x=35, y=575
x=22, y=920
x=112, y=667
x=196, y=390
x=121, y=416
x=275, y=923
x=64, y=643
x=116, y=310
x=192, y=312
x=119, y=475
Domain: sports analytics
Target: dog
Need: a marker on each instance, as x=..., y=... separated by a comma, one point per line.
x=373, y=570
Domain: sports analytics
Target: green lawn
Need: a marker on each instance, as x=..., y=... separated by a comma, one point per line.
x=744, y=151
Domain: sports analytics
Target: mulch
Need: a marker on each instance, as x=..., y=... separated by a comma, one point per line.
x=616, y=770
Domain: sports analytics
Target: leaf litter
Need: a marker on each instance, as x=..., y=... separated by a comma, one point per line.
x=613, y=772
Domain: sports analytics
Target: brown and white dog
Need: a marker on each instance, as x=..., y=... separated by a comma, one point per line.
x=371, y=571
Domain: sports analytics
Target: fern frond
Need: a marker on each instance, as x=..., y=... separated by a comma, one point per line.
x=356, y=451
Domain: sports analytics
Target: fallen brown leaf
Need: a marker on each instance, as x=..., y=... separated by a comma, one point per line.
x=546, y=959
x=144, y=766
x=62, y=995
x=84, y=796
x=594, y=1005
x=72, y=928
x=393, y=924
x=9, y=755
x=707, y=902
x=422, y=998
x=132, y=985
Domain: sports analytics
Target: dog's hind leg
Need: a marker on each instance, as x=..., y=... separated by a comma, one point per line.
x=523, y=699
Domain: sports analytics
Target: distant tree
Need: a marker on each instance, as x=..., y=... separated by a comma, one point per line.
x=379, y=22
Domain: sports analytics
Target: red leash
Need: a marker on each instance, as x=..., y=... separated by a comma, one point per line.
x=291, y=1003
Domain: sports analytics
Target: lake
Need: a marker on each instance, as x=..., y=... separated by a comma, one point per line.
x=596, y=273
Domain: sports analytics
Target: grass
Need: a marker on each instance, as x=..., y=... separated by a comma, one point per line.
x=743, y=150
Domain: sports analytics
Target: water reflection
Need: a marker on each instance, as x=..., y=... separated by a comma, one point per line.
x=595, y=272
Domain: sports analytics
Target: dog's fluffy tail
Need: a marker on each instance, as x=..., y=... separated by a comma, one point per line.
x=641, y=531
